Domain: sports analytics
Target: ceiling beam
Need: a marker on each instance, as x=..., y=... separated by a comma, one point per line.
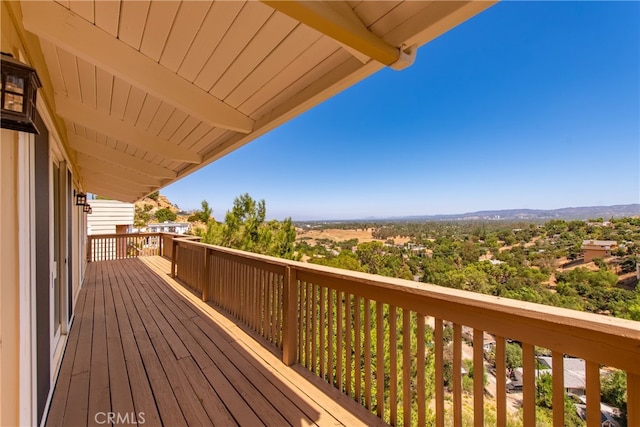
x=89, y=174
x=105, y=189
x=112, y=194
x=103, y=152
x=337, y=20
x=329, y=85
x=71, y=32
x=435, y=19
x=89, y=163
x=107, y=125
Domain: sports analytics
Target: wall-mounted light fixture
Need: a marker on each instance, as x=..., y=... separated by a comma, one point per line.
x=81, y=199
x=19, y=88
x=87, y=209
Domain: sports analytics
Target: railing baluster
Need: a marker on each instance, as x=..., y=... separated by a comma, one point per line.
x=421, y=359
x=273, y=308
x=439, y=367
x=557, y=363
x=241, y=294
x=348, y=345
x=314, y=330
x=478, y=378
x=322, y=332
x=289, y=329
x=205, y=276
x=358, y=349
x=339, y=338
x=393, y=366
x=330, y=336
x=633, y=399
x=301, y=299
x=367, y=353
x=265, y=306
x=406, y=366
x=501, y=382
x=456, y=375
x=528, y=385
x=250, y=289
x=307, y=343
x=279, y=308
x=593, y=393
x=379, y=359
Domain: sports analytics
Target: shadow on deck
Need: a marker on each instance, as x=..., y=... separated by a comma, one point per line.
x=144, y=350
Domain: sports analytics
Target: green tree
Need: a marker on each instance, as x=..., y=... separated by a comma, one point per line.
x=513, y=354
x=544, y=401
x=245, y=228
x=544, y=391
x=346, y=260
x=614, y=391
x=154, y=195
x=203, y=215
x=165, y=214
x=628, y=264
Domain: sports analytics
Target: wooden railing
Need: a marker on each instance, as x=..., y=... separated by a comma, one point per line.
x=251, y=288
x=381, y=340
x=104, y=247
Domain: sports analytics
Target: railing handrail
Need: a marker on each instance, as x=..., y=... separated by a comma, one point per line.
x=607, y=340
x=122, y=235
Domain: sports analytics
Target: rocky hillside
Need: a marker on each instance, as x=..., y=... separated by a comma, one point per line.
x=150, y=205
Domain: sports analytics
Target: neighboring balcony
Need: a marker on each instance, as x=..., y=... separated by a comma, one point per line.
x=240, y=338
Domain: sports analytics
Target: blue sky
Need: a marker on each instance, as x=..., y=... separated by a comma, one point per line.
x=527, y=105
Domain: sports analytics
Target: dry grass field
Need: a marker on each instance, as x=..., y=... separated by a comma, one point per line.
x=338, y=235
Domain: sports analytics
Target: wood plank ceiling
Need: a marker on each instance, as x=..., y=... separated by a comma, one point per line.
x=151, y=91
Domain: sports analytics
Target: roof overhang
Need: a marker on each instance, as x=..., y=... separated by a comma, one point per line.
x=149, y=92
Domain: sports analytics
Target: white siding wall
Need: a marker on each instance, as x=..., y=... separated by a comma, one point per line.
x=107, y=214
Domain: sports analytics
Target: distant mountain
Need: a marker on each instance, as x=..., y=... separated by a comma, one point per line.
x=581, y=213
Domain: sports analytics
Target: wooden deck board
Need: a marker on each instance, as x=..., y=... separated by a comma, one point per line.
x=99, y=384
x=59, y=401
x=78, y=393
x=141, y=392
x=141, y=343
x=121, y=398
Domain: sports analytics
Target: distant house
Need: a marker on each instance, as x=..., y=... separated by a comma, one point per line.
x=575, y=378
x=597, y=249
x=169, y=227
x=606, y=416
x=488, y=340
x=109, y=217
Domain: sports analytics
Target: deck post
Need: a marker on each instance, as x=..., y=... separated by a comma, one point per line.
x=205, y=276
x=289, y=321
x=174, y=251
x=160, y=239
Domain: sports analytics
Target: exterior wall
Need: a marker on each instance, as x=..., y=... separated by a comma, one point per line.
x=590, y=254
x=107, y=215
x=21, y=397
x=9, y=282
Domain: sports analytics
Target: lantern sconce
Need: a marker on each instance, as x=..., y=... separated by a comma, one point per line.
x=87, y=209
x=81, y=199
x=18, y=91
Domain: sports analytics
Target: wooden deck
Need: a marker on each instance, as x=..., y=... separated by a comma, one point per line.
x=149, y=352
